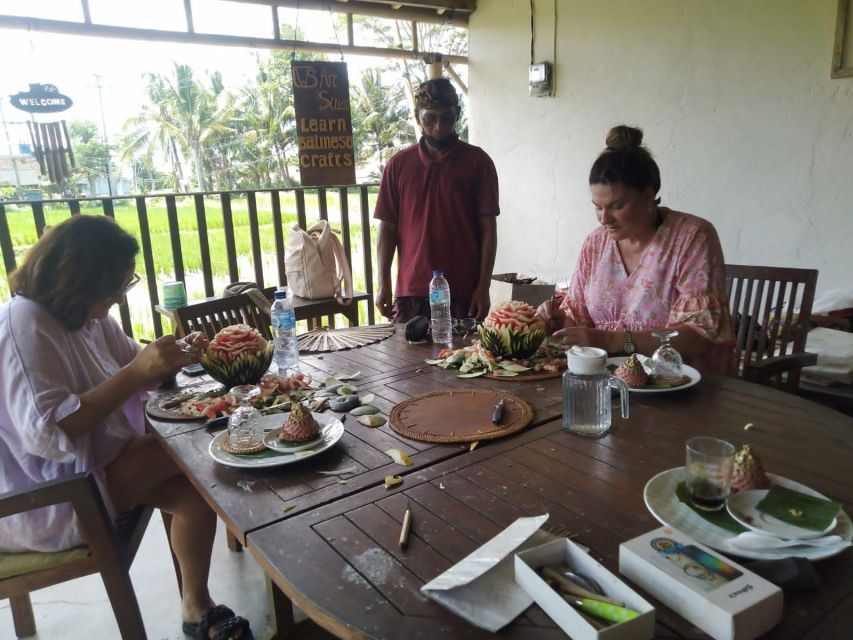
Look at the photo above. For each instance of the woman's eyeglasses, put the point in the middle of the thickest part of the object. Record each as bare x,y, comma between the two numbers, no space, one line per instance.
135,280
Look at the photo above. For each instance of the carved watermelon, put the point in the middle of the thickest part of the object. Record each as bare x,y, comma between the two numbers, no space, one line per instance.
512,330
237,355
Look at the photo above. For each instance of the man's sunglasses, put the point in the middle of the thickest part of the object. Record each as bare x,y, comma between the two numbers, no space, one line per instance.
431,119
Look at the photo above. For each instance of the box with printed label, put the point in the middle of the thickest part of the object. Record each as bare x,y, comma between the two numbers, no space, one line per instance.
724,599
567,617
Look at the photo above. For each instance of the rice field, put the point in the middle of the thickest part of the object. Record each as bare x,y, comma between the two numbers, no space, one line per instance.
23,234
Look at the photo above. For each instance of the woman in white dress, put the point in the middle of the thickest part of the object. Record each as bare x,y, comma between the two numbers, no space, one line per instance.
72,398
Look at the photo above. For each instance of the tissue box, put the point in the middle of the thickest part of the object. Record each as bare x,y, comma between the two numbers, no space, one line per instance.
720,597
567,617
504,287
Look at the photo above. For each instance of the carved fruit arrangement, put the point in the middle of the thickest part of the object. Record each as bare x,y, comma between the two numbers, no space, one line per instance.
237,355
512,330
748,471
300,425
631,371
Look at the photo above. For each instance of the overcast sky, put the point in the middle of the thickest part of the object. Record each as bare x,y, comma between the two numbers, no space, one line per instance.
71,62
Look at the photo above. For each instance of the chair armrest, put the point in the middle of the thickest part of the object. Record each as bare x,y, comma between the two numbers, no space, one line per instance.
83,493
770,367
45,494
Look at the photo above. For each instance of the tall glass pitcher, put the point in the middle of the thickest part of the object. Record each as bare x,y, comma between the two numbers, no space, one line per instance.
586,392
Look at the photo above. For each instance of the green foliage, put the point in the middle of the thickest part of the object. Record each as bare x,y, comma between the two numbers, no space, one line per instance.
183,115
217,139
91,155
379,117
23,235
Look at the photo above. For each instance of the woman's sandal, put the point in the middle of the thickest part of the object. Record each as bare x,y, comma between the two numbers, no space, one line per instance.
231,627
236,628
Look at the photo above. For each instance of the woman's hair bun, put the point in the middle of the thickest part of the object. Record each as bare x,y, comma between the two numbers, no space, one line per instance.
623,136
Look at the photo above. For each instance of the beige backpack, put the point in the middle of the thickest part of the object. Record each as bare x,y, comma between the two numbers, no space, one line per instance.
315,264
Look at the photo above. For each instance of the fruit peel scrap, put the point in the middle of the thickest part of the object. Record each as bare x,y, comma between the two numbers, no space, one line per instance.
393,481
341,472
400,457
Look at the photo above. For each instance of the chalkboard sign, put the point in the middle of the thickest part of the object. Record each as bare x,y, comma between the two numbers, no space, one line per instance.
41,98
323,123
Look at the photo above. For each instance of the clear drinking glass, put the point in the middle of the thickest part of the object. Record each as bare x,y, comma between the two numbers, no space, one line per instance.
244,427
666,361
708,472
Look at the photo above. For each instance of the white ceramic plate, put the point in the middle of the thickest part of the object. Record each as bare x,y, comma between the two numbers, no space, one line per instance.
743,508
689,371
331,429
665,506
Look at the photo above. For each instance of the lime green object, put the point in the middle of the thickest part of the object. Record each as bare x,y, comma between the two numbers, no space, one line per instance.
605,611
799,509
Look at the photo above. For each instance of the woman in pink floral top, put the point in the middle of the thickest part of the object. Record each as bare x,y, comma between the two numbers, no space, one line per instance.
646,268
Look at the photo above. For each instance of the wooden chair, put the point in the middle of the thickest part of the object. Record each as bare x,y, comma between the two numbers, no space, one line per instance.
111,550
311,310
253,308
212,315
770,336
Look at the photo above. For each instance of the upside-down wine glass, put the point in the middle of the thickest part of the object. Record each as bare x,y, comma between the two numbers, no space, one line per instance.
666,361
244,427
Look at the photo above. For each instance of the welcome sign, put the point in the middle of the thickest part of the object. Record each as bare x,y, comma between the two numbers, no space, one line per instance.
41,98
323,123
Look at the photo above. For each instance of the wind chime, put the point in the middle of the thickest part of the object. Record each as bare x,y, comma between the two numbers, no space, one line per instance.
51,143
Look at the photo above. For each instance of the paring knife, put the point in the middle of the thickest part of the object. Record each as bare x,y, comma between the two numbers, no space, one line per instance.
216,423
498,412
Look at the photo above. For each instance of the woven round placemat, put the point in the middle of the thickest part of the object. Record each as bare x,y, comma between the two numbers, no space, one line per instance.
171,411
226,446
459,415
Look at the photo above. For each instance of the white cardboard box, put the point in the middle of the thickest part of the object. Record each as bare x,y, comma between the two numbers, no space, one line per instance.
569,620
725,600
503,288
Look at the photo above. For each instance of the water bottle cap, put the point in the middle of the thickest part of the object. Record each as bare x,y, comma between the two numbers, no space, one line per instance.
437,272
281,293
586,360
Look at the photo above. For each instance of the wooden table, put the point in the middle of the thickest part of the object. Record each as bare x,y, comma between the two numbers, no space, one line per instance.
247,499
335,553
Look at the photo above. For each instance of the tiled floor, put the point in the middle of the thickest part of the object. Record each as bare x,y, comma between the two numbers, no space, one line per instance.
80,610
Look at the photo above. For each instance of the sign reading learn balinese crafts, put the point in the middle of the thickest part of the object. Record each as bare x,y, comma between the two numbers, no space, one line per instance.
323,123
41,98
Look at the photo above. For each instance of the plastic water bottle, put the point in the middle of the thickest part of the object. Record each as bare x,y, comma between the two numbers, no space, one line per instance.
439,309
286,354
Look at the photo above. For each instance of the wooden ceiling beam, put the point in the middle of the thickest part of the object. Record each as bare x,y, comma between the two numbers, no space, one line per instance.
453,12
156,35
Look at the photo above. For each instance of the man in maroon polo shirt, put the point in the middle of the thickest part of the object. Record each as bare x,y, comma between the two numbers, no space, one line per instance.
437,205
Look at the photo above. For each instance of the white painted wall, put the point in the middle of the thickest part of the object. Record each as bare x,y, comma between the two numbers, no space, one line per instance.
736,102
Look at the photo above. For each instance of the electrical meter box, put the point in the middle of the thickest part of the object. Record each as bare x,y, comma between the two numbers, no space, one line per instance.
539,78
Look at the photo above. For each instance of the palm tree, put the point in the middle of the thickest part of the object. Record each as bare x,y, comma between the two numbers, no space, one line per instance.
266,121
180,119
379,117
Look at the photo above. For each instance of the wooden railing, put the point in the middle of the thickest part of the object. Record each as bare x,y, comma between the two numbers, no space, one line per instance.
280,216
